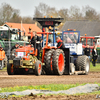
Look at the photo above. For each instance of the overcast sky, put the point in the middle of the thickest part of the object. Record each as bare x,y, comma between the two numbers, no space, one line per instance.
27,7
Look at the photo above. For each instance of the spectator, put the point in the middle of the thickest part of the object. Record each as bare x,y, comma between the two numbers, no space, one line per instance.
87,51
36,41
94,55
60,44
1,48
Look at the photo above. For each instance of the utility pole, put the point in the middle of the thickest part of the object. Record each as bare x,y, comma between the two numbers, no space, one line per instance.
9,41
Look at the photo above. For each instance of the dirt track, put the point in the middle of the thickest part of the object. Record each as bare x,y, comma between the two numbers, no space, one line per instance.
14,80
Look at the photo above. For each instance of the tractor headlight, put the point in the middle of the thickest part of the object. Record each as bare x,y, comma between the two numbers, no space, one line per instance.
28,55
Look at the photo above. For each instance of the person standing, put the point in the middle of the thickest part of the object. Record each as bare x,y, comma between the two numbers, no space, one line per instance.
94,55
87,51
60,44
36,41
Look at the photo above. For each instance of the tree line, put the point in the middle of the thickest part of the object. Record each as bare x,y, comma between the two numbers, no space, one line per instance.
74,13
10,14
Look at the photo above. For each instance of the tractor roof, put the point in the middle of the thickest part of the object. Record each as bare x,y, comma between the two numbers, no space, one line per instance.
46,22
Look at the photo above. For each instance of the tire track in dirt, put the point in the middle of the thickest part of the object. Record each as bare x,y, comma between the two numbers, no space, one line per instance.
20,80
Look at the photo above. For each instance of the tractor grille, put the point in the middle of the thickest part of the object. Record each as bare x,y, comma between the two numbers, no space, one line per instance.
17,62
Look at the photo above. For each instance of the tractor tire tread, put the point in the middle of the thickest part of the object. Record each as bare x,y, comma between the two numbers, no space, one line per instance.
55,61
47,59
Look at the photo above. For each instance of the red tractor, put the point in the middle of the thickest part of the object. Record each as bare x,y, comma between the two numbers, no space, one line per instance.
25,58
87,40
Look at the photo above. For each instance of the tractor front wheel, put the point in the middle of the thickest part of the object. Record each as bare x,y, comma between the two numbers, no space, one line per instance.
58,62
86,64
83,64
10,69
38,68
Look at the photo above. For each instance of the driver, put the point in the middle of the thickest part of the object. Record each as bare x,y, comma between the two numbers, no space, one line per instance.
60,44
15,46
36,41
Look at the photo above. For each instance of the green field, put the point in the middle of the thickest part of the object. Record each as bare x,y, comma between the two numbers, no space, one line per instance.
96,68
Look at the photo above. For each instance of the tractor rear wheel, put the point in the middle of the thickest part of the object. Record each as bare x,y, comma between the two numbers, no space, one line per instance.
58,62
48,61
84,63
38,68
10,69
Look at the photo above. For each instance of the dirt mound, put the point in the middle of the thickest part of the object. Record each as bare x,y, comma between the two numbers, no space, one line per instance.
54,97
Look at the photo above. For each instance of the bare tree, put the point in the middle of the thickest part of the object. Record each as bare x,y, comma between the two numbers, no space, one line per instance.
5,12
27,20
16,18
75,13
51,11
9,14
63,13
44,10
90,13
41,10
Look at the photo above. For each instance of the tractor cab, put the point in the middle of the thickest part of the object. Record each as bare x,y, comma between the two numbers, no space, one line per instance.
71,40
4,33
9,37
51,39
49,24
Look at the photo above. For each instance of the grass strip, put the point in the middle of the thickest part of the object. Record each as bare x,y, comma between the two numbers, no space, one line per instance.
51,87
96,68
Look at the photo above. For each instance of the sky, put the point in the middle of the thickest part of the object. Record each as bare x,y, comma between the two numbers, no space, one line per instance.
27,7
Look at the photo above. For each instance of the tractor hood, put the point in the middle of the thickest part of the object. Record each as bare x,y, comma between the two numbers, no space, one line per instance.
25,48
